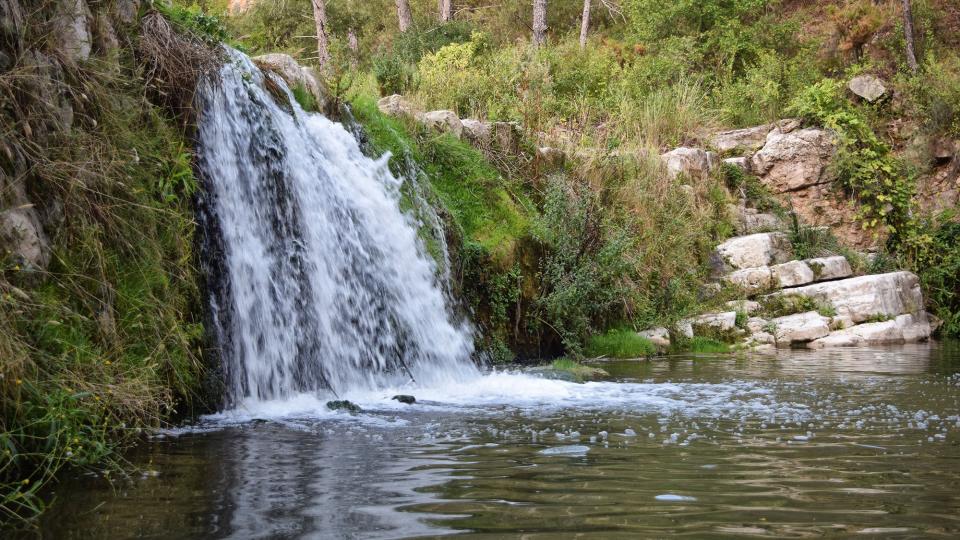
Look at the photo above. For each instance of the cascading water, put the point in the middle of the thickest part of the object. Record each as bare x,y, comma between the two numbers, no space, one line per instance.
318,282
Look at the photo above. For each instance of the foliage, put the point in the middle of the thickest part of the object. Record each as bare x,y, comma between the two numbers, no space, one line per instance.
620,344
939,273
704,345
781,305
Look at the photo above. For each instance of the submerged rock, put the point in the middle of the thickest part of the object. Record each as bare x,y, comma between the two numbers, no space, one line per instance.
403,398
344,405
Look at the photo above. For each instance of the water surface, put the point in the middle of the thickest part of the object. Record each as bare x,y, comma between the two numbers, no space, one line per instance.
829,443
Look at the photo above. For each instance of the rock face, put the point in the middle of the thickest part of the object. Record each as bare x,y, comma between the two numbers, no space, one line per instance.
868,297
868,87
293,74
741,140
690,162
22,237
751,251
72,29
445,121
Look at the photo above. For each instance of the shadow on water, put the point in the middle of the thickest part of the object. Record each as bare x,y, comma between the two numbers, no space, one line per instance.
801,444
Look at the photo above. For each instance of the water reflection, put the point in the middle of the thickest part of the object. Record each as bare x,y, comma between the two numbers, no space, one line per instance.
864,442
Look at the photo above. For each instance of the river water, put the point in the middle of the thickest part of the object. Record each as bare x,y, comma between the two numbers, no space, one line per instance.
844,442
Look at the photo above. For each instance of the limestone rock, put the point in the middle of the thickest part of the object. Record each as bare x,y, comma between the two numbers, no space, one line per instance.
791,274
906,328
722,321
741,163
659,336
800,328
690,162
395,105
756,325
747,139
685,328
750,221
293,74
829,268
761,338
445,121
751,251
72,29
865,297
744,306
476,132
868,87
751,280
22,237
795,160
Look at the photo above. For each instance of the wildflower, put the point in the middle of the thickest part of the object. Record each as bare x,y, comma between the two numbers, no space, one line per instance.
26,481
19,381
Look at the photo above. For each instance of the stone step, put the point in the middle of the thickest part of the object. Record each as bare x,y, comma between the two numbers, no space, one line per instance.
901,329
865,298
790,274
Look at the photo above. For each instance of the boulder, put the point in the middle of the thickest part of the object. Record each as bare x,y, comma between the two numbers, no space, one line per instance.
22,237
747,139
795,160
800,328
476,132
757,324
396,105
751,280
867,87
906,328
761,338
690,162
293,74
685,328
405,399
829,268
866,297
445,121
658,336
721,321
791,274
943,149
751,251
751,221
71,29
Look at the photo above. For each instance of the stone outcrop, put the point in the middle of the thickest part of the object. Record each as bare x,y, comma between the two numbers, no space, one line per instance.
800,328
444,121
901,329
476,132
293,74
865,298
689,162
748,139
790,161
751,251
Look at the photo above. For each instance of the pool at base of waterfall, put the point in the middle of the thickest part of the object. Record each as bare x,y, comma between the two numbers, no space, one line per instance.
859,441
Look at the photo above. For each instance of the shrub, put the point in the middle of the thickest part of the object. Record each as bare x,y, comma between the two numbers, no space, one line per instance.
939,273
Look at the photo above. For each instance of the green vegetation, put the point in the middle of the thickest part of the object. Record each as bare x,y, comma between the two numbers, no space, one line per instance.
705,345
578,371
781,305
620,344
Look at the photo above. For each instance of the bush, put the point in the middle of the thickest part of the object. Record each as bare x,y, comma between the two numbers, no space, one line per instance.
620,344
940,275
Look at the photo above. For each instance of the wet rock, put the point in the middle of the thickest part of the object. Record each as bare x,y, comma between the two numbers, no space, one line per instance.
795,160
476,132
902,329
403,398
751,251
22,238
72,29
747,139
867,87
294,74
344,405
444,121
866,297
689,162
800,328
396,105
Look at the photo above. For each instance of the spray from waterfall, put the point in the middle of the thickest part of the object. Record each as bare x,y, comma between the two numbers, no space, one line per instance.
317,281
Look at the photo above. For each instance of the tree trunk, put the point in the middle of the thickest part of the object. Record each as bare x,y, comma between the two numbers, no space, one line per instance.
323,41
403,14
539,22
585,24
446,10
908,34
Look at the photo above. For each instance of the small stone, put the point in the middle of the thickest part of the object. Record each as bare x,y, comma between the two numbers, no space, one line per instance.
344,405
404,398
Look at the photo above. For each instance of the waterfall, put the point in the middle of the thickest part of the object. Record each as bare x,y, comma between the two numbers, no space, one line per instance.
317,281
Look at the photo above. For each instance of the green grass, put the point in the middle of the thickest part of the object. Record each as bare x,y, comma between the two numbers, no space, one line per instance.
706,345
620,344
